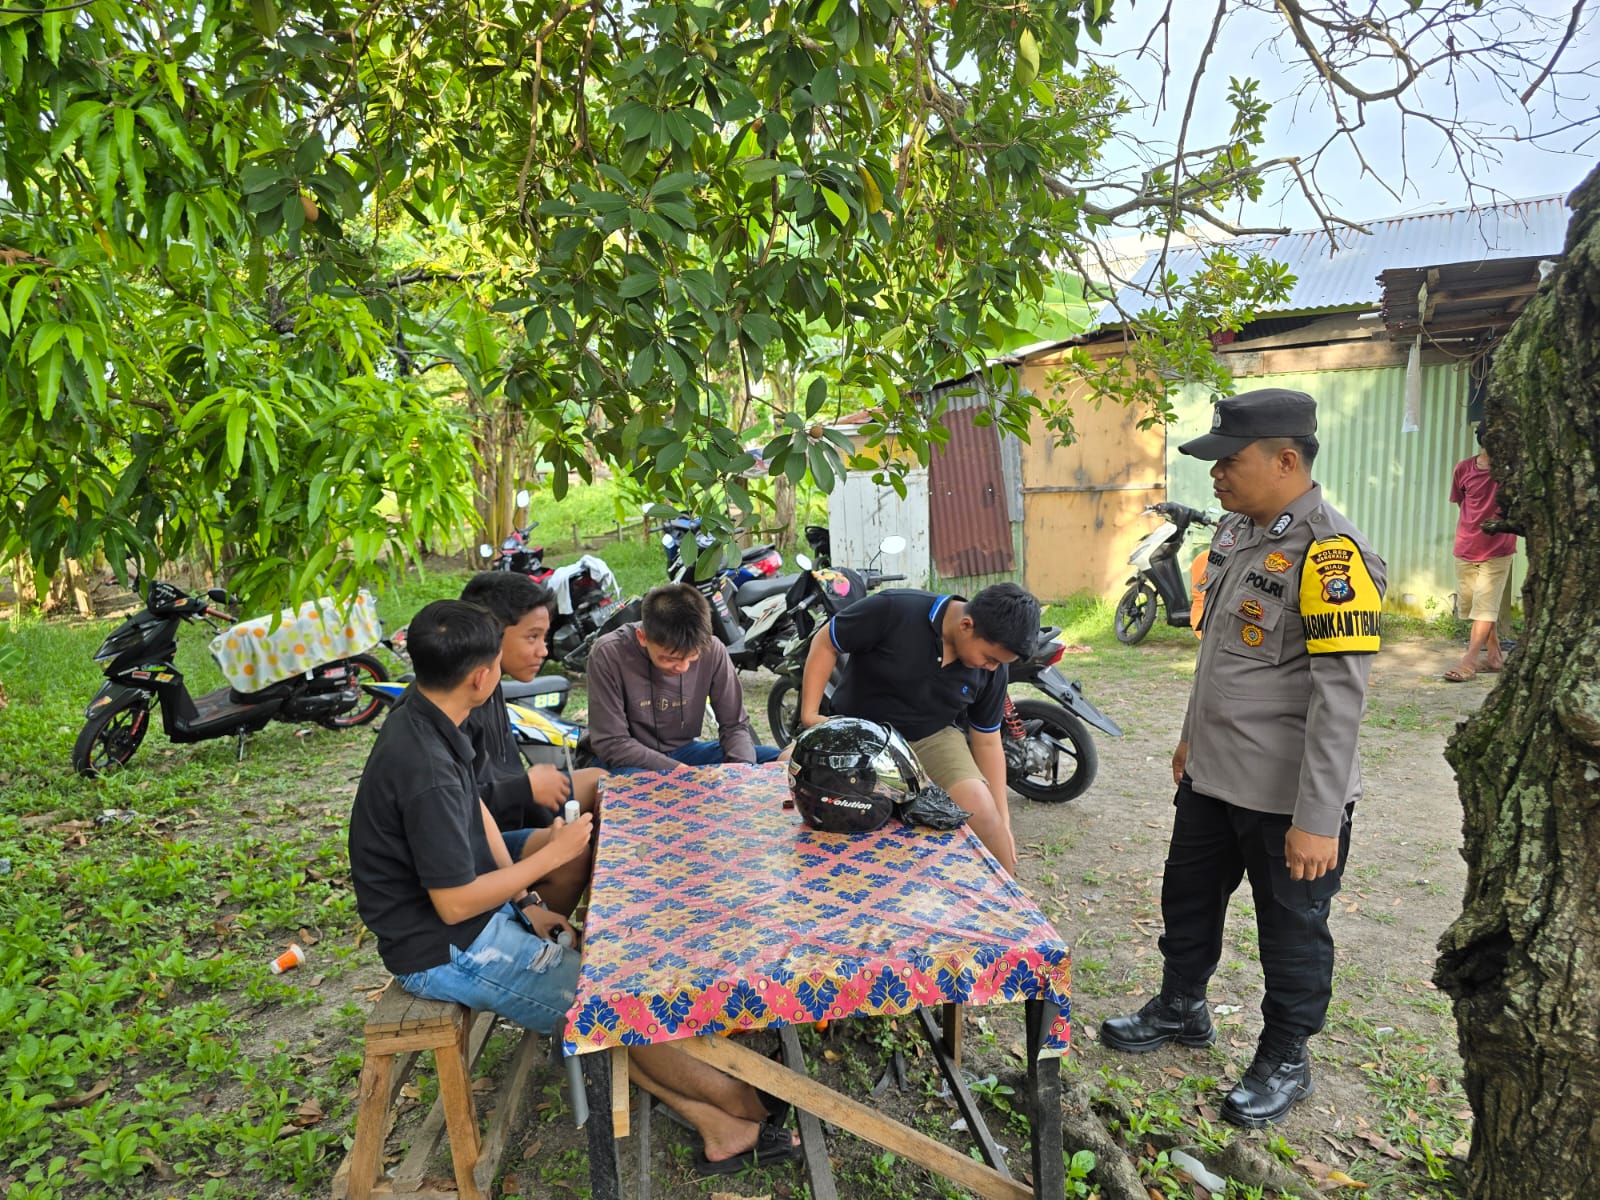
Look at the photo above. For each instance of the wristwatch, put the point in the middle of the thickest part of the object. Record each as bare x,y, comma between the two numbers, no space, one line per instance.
529,898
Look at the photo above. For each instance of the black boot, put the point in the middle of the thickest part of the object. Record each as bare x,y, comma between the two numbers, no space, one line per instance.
1170,1017
1279,1076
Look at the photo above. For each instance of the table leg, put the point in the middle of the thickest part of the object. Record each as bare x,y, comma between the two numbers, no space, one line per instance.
951,1020
819,1168
1044,1103
605,1170
951,1071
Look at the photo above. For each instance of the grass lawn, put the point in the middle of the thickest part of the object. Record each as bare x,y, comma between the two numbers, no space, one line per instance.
145,1049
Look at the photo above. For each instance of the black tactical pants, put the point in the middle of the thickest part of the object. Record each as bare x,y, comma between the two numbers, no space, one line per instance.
1214,846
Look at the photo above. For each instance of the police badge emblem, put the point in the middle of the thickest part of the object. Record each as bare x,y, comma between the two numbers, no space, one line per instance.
1252,608
1333,566
1277,563
1253,635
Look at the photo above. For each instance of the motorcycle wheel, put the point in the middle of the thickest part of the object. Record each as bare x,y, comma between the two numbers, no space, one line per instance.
783,711
1136,613
110,737
367,670
1074,752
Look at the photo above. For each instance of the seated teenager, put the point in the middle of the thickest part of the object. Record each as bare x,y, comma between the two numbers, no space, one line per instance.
451,909
648,686
523,799
928,665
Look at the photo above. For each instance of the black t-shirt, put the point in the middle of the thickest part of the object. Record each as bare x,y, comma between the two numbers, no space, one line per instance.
894,673
502,774
416,825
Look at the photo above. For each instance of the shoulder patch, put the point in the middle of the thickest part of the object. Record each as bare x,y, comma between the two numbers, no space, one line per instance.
1339,602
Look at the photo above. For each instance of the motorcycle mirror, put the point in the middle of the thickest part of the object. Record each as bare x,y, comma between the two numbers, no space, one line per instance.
666,539
522,498
485,550
220,595
803,561
892,544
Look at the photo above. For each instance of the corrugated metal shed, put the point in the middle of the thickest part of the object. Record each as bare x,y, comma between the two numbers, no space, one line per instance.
1395,486
1341,272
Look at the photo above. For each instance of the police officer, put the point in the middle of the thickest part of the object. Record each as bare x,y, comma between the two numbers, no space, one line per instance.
1266,766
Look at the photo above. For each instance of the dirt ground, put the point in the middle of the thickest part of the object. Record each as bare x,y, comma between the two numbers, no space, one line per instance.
1094,866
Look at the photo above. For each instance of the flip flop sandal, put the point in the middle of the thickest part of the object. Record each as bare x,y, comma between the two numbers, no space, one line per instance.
773,1146
1456,675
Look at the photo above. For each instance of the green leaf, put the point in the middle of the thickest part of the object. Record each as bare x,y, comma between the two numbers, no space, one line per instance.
637,285
20,292
642,367
238,422
821,468
836,205
671,457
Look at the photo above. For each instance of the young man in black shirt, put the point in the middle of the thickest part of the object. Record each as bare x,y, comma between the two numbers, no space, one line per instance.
927,665
436,886
523,799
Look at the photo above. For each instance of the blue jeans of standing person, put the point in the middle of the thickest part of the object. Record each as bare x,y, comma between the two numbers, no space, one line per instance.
696,754
509,970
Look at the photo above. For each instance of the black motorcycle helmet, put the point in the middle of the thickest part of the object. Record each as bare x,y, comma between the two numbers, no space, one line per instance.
848,775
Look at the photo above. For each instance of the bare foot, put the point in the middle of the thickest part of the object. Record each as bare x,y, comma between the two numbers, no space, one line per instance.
736,1138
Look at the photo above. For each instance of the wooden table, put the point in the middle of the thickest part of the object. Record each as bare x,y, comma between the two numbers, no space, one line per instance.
714,910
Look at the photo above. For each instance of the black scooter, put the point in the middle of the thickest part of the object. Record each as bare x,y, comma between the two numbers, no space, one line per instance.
139,672
1158,579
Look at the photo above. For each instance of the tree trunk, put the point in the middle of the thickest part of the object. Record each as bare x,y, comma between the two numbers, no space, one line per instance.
1522,962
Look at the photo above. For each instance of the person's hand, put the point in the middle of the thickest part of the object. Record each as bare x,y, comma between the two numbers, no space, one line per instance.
568,840
1180,756
547,924
808,719
550,786
1309,856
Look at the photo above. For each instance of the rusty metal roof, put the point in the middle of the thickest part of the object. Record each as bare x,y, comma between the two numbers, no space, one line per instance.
1347,277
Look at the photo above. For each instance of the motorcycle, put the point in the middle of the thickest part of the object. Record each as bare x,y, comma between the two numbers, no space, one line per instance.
1158,580
1050,755
758,562
535,707
517,554
272,673
587,596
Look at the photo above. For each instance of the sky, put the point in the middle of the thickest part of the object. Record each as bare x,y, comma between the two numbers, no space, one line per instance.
1426,176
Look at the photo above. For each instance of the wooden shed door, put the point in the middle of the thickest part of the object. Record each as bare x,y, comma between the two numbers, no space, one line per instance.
969,528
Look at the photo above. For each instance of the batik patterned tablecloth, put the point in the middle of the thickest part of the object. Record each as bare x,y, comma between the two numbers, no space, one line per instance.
714,909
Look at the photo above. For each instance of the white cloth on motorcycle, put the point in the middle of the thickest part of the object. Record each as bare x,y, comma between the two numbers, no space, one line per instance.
561,582
254,655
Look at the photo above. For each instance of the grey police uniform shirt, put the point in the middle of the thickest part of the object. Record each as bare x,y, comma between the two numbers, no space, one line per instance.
1290,625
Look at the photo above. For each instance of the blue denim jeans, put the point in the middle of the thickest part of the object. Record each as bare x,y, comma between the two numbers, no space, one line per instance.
697,754
507,970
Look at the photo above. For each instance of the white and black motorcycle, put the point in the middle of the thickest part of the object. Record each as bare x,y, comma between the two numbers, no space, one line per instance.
1158,579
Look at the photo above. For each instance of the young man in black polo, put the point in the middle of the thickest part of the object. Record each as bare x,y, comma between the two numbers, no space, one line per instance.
521,798
927,664
435,884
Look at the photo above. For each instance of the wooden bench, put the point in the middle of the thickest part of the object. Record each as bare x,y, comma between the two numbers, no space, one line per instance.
400,1028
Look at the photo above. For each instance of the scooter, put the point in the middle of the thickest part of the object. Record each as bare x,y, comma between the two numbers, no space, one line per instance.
1158,580
517,554
542,733
758,562
309,668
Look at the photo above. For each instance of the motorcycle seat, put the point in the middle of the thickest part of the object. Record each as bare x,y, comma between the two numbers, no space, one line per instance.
759,589
515,691
756,552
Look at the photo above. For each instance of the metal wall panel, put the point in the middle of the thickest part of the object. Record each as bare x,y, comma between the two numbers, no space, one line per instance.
970,525
861,514
1394,486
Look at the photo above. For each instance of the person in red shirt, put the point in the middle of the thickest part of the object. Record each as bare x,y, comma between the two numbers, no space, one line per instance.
1483,562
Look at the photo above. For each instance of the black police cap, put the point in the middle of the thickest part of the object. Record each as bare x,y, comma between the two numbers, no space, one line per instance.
1236,421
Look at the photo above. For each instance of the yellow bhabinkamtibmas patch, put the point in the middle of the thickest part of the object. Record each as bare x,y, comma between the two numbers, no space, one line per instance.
1339,603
